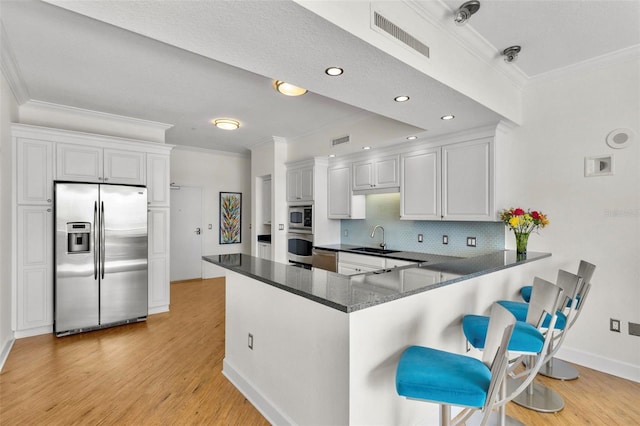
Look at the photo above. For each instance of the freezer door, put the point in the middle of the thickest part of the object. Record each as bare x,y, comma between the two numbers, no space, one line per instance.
123,256
76,259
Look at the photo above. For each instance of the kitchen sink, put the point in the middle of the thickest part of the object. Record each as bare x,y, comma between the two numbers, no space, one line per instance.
374,250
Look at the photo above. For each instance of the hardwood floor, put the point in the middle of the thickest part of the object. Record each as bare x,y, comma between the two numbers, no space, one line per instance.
168,371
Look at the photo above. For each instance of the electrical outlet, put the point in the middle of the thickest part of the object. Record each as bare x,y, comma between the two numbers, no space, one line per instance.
471,241
614,325
445,239
250,341
281,227
210,226
419,238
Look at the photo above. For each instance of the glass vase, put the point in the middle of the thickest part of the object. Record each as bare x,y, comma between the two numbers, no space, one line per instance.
521,243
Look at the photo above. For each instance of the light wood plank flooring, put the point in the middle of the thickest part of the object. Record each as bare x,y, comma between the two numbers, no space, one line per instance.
168,371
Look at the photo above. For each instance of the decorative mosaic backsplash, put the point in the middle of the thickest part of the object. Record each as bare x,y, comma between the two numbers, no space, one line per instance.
384,209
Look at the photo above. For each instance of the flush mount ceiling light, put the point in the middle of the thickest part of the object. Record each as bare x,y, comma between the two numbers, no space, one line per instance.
332,155
465,11
412,138
334,71
511,54
403,98
226,123
447,117
366,147
288,88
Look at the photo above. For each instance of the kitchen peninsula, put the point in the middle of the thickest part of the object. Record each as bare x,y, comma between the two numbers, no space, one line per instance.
316,347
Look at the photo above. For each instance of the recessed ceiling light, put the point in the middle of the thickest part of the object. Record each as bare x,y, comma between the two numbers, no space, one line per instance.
288,88
334,71
226,123
332,155
448,117
403,98
412,138
366,147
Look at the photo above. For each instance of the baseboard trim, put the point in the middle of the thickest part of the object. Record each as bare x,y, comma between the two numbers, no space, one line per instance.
47,329
262,404
6,349
599,363
158,310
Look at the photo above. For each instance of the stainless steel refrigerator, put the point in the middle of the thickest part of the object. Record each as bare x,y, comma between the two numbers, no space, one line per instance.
100,256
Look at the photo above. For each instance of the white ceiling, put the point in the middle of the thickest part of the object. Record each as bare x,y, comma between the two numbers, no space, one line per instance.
70,59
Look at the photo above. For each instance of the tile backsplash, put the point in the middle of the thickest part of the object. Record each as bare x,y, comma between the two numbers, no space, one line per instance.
384,209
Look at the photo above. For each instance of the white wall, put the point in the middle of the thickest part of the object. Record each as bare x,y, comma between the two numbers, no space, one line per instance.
592,218
214,172
8,114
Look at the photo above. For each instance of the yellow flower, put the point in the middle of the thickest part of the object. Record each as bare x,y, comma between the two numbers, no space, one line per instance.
514,221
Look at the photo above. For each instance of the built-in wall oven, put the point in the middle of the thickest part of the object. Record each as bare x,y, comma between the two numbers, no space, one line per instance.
300,248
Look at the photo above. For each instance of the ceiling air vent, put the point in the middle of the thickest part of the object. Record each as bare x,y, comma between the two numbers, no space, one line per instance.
398,33
340,140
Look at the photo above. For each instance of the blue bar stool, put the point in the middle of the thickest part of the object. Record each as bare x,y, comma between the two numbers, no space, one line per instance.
529,341
538,397
557,368
446,378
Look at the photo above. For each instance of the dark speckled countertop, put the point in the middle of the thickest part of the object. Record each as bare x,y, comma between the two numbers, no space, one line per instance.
355,292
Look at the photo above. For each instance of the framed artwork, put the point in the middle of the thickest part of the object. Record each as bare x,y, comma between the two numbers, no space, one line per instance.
230,217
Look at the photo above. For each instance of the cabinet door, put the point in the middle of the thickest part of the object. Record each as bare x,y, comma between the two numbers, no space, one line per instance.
34,171
266,201
125,167
78,163
306,184
420,189
158,177
293,185
467,181
35,270
363,175
386,172
339,192
158,260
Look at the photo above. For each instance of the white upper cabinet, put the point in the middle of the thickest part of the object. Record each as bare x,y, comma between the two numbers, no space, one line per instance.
158,186
92,164
420,185
300,184
378,173
342,204
467,181
266,202
451,182
34,171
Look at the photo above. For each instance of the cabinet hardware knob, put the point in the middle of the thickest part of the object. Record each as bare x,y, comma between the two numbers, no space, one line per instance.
48,200
49,210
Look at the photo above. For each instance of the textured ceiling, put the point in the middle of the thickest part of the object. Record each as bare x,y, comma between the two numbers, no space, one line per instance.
131,66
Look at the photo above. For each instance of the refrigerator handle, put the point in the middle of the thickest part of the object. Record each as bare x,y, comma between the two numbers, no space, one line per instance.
102,245
95,240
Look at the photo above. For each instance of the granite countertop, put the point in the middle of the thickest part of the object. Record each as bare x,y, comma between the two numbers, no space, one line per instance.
352,293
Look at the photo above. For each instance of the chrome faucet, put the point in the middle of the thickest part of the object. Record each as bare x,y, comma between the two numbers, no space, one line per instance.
382,244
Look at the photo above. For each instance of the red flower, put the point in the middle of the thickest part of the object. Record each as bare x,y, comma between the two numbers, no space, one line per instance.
535,215
518,212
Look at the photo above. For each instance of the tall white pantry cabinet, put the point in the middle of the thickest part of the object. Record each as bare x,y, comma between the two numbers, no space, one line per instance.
44,155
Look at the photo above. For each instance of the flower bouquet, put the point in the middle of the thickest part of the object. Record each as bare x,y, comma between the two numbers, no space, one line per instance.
523,223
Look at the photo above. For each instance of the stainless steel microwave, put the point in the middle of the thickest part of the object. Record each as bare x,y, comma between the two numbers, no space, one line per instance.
301,219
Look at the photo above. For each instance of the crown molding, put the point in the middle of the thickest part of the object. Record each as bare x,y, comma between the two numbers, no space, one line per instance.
599,62
468,38
97,114
10,69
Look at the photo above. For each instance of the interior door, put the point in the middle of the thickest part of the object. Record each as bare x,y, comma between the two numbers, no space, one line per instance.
186,233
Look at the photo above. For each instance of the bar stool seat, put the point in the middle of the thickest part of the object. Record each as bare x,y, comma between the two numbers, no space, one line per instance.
446,378
520,309
525,337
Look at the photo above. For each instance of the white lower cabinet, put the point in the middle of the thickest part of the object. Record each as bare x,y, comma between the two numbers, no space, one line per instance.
352,264
159,284
35,270
264,251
